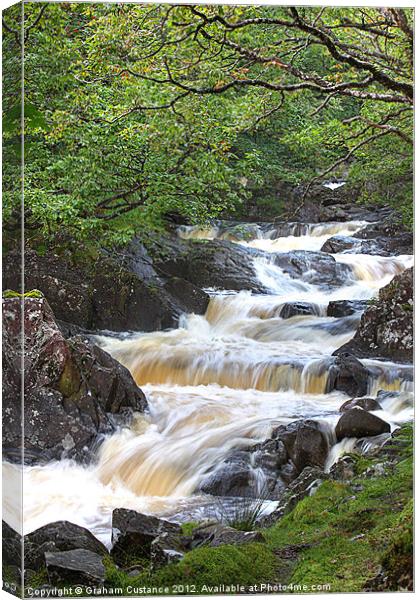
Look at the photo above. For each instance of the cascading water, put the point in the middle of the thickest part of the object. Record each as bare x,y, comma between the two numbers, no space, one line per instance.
219,382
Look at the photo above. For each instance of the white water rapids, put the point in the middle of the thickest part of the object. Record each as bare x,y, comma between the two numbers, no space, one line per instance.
218,382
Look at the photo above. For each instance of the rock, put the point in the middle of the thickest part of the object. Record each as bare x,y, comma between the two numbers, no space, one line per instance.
212,263
344,308
352,244
81,567
133,534
387,237
365,403
348,375
217,534
358,423
11,546
386,327
60,536
72,388
232,477
318,268
306,443
291,309
118,292
304,485
167,548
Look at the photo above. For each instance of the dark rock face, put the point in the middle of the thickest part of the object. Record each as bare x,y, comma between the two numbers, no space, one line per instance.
386,327
388,238
340,243
358,423
81,567
133,533
212,263
345,308
233,477
306,443
347,374
167,548
60,536
71,388
313,267
365,403
291,309
108,292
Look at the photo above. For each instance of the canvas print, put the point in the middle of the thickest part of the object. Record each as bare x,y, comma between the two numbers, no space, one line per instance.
207,299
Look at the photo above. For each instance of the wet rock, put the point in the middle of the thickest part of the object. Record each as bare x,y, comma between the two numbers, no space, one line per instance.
342,243
133,534
291,309
365,403
387,237
212,263
345,308
348,375
72,388
116,291
81,567
232,477
318,268
358,423
60,536
386,327
306,443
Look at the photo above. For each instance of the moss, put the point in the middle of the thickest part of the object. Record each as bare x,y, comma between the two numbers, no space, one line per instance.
69,382
188,528
37,579
30,294
226,565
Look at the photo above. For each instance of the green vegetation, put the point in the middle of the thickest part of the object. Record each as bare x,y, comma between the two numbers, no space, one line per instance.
342,536
136,112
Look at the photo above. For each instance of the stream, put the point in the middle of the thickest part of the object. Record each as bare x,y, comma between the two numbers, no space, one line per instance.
219,382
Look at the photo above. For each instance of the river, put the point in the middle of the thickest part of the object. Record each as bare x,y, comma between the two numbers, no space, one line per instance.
218,382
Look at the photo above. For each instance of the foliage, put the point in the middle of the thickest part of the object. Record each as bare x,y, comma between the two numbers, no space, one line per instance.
133,113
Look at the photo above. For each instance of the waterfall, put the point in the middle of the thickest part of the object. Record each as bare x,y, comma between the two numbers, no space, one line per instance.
222,381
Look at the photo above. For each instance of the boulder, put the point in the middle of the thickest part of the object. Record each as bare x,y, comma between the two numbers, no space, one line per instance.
72,388
81,567
60,536
358,423
345,308
386,327
133,534
306,443
212,263
318,268
348,375
291,309
232,477
365,403
115,291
